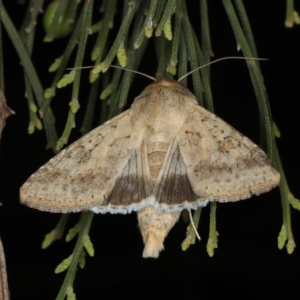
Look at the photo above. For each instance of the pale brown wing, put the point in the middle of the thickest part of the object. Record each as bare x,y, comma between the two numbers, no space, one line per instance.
84,174
222,164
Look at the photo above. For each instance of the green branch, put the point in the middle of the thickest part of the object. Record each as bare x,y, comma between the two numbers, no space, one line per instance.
31,73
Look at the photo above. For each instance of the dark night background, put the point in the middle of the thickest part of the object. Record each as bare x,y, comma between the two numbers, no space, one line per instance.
247,261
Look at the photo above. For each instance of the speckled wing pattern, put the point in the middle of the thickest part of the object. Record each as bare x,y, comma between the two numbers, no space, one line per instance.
222,164
83,174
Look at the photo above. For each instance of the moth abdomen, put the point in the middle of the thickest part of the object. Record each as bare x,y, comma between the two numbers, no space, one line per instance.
156,152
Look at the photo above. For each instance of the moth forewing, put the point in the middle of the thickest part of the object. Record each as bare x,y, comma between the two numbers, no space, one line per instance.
222,164
163,155
84,174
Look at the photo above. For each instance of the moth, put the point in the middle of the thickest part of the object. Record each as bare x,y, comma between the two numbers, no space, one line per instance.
163,155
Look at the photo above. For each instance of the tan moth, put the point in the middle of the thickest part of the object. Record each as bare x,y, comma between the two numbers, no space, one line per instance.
164,154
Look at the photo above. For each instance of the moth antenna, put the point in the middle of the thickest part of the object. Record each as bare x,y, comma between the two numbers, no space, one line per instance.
193,225
134,71
117,67
217,60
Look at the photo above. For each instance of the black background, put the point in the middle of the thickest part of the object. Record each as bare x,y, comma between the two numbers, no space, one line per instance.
247,262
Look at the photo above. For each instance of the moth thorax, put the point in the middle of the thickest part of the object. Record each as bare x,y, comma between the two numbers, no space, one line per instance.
155,225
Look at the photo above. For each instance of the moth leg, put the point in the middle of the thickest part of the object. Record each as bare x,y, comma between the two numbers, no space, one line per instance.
193,225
